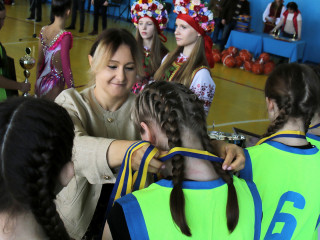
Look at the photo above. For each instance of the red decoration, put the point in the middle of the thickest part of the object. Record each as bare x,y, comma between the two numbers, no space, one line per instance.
268,67
233,50
265,57
248,65
257,68
239,61
229,61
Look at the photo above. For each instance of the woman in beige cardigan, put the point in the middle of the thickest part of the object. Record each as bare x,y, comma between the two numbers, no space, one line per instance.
102,115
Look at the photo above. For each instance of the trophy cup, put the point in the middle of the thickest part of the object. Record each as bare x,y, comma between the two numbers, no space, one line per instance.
293,37
27,62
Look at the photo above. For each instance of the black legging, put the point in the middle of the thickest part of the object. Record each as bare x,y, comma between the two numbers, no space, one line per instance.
98,5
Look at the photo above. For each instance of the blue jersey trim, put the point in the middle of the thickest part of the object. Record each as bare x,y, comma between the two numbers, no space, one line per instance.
283,147
134,217
246,173
257,208
314,137
193,184
318,221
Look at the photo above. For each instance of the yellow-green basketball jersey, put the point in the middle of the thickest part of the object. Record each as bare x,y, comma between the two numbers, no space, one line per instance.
148,215
314,140
288,182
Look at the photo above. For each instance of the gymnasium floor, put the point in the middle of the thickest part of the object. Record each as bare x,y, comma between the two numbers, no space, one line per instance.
238,101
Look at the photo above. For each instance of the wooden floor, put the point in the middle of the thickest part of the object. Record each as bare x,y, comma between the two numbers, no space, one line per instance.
238,101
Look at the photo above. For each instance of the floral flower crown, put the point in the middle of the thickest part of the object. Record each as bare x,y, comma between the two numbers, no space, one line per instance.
197,10
149,8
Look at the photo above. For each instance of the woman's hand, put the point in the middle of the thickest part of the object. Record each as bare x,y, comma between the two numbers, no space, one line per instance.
232,154
137,156
117,150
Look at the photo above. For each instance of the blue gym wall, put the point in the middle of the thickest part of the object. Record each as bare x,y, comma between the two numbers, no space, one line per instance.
310,10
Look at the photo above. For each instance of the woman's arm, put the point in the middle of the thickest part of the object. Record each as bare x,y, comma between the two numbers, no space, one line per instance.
279,24
96,157
11,84
266,12
66,44
299,20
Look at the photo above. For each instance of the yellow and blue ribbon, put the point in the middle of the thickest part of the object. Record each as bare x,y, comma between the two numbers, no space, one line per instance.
283,134
314,126
127,182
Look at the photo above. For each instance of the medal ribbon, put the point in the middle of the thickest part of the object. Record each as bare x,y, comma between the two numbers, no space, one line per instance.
127,183
281,134
314,126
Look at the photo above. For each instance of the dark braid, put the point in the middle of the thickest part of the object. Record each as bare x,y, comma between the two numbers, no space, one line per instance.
198,118
281,119
174,106
41,132
294,89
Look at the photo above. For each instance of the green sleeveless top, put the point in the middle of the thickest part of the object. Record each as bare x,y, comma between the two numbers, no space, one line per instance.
287,179
148,215
3,70
314,140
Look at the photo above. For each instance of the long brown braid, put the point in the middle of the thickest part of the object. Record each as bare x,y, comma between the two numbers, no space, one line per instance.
36,142
294,89
174,107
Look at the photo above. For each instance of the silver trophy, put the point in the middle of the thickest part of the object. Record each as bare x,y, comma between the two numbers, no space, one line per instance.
27,62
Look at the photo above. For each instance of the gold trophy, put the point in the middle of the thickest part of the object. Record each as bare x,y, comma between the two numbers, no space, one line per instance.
293,37
27,62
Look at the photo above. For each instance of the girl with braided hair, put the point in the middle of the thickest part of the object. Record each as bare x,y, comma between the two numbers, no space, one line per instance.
198,198
284,165
191,61
150,19
36,139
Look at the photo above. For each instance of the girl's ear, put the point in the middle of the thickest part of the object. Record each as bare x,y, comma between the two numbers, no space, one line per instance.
90,59
272,108
146,133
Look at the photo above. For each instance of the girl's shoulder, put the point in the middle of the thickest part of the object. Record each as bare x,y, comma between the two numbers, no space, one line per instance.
56,40
201,72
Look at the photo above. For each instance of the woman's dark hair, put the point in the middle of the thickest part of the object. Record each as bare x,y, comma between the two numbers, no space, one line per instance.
295,89
36,139
59,7
293,6
2,6
175,108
